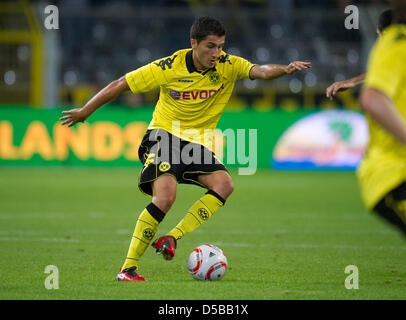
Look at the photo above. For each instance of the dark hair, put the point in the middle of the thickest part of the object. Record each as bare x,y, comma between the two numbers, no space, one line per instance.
205,26
385,19
399,10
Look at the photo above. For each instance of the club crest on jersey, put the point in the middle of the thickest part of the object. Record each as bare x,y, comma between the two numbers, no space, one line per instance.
214,77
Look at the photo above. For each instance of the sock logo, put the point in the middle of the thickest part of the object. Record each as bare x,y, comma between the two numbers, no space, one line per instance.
202,212
148,233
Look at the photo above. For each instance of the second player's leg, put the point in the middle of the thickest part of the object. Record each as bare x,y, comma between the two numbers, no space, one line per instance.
393,207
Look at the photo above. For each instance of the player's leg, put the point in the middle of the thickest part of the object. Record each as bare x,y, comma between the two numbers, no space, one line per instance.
392,208
208,173
164,193
220,186
158,180
219,182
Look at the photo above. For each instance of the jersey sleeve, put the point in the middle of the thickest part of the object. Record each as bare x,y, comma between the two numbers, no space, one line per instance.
385,69
241,67
149,77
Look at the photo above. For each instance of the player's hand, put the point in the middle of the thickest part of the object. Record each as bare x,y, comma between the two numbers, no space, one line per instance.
73,116
297,66
336,87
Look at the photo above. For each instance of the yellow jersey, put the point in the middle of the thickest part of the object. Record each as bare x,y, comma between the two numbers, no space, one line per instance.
384,165
190,102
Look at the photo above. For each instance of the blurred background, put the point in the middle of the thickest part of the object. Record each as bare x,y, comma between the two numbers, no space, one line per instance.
99,41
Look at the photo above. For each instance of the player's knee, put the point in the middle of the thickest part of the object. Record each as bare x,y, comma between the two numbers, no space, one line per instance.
164,202
228,187
224,187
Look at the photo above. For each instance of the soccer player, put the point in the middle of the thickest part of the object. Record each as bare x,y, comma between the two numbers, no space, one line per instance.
385,19
195,85
382,173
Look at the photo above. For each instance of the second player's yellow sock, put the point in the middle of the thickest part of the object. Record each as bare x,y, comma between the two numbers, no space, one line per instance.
201,211
144,231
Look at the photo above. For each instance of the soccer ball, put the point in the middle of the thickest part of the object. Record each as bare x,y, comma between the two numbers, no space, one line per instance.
207,262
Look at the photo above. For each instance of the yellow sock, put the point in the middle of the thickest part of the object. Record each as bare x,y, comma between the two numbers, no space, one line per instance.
201,211
145,229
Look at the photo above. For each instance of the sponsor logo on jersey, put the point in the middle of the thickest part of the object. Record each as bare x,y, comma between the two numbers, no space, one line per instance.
193,95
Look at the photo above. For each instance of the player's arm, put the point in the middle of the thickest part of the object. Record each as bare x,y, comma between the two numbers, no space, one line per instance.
383,111
273,71
344,85
104,96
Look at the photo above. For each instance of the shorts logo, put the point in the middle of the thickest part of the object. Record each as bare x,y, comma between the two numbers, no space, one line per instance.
202,212
214,77
148,233
164,166
150,159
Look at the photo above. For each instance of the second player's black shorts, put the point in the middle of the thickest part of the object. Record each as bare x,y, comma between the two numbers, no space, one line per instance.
162,153
392,207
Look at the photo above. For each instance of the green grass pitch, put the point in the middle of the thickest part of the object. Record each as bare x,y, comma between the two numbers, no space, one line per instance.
287,235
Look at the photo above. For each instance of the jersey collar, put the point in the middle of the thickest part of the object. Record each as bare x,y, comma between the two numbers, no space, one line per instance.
190,65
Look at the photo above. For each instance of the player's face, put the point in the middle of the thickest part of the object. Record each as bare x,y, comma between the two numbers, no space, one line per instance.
207,51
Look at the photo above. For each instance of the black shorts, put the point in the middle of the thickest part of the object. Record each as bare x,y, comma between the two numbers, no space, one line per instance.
392,207
162,153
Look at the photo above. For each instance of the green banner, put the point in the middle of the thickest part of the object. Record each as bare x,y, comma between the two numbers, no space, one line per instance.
112,135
